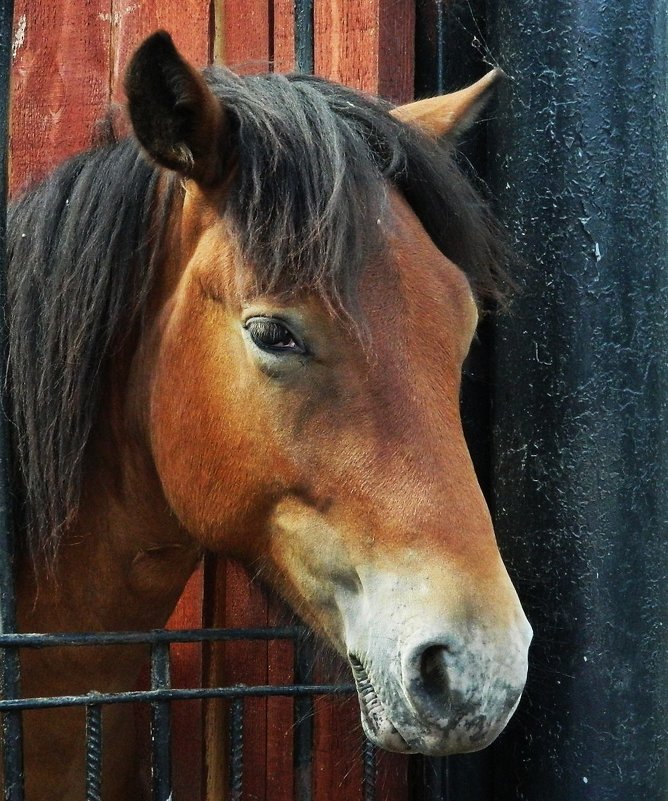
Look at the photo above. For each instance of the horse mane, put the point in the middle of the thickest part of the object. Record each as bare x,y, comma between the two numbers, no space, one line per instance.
80,248
308,202
310,196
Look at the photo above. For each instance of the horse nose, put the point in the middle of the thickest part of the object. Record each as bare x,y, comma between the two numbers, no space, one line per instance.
446,678
427,680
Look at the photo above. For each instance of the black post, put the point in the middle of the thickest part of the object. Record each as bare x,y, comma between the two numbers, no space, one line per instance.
10,677
304,51
581,422
7,602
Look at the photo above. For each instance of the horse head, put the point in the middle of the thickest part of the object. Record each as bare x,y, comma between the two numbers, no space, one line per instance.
301,377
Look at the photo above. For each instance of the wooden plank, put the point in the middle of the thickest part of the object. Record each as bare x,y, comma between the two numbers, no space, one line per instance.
188,22
396,50
234,602
338,767
280,711
215,710
244,37
130,23
284,36
392,777
187,671
60,84
367,44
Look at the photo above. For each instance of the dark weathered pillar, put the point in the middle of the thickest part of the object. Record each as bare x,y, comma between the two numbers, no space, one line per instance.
9,662
580,170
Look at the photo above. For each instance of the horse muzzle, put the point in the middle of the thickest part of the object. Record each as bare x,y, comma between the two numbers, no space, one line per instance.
435,689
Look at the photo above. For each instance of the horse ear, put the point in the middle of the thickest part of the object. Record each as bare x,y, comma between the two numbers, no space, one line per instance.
451,114
174,114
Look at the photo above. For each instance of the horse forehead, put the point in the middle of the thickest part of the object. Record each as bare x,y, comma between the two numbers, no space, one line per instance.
429,285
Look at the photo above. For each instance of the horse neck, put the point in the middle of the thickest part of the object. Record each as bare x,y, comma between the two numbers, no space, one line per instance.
123,563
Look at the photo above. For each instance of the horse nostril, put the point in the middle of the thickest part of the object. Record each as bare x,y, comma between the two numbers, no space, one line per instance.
434,674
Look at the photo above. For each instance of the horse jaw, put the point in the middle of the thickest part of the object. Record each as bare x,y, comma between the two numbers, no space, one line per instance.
437,672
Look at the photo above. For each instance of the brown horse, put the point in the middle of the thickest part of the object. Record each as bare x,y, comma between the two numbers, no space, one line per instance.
251,342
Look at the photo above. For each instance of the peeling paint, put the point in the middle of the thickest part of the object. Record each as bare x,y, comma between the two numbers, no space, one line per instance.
116,17
580,401
19,35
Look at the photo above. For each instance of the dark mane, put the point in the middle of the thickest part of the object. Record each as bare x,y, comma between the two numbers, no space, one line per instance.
80,248
315,159
309,205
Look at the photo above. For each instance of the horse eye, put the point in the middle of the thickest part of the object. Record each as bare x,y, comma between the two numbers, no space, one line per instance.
272,335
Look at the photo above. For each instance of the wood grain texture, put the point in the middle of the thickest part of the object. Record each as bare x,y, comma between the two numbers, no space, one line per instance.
396,50
367,44
244,35
284,36
338,768
245,662
188,22
187,671
392,777
60,83
280,711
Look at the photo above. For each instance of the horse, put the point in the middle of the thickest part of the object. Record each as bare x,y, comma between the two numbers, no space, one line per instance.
242,330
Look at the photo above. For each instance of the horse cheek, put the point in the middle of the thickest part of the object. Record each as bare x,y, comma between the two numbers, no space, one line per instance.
206,453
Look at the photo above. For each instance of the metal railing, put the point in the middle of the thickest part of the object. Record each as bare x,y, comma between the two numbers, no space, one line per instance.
161,694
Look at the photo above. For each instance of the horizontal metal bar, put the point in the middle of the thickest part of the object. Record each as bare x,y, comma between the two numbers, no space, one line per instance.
133,696
29,640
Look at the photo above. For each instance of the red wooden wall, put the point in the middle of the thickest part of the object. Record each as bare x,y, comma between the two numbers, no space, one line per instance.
68,61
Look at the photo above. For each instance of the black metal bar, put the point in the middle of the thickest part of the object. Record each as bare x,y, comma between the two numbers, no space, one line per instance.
304,52
303,732
10,667
28,640
435,779
582,388
369,774
440,48
151,696
236,728
93,753
161,740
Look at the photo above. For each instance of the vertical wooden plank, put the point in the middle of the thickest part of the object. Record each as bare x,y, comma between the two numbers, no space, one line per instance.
396,50
187,671
244,41
60,83
244,35
130,24
338,767
188,22
215,710
367,44
235,602
392,777
280,711
284,35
